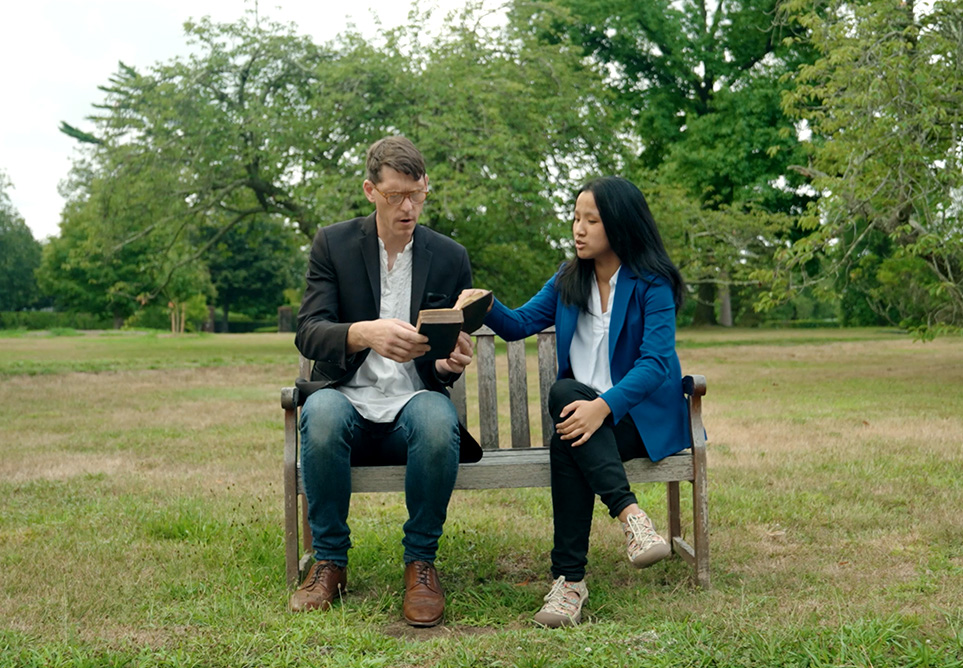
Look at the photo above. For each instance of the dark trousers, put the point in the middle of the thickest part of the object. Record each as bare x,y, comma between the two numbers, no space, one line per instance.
579,474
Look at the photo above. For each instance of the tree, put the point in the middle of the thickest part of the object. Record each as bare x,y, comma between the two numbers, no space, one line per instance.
263,124
885,105
19,256
101,263
509,127
699,90
252,265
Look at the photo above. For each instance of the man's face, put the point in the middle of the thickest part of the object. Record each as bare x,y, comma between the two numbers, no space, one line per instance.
396,222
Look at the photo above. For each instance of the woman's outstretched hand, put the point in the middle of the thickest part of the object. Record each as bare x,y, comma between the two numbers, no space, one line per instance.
468,292
584,419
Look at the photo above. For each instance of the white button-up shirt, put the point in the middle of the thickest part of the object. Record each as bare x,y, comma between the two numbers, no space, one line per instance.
381,387
589,353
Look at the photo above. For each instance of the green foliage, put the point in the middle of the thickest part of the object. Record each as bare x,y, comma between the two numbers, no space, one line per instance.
98,264
33,320
19,256
884,102
698,91
253,264
509,128
262,124
158,316
716,246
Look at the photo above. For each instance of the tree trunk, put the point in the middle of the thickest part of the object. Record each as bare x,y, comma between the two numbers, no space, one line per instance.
705,311
209,323
285,319
725,306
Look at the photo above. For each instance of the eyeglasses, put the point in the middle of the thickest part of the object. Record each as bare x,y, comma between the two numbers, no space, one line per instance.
394,199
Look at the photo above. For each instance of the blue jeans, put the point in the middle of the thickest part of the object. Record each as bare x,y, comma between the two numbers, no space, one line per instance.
334,437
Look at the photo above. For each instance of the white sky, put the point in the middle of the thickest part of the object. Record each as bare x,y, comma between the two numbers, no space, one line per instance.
56,52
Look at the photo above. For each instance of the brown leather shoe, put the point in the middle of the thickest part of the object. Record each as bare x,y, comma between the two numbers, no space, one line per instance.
424,596
323,583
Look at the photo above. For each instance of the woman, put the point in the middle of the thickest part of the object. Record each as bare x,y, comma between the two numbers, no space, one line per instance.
619,390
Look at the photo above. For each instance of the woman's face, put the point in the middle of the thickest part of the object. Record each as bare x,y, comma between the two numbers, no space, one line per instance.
591,242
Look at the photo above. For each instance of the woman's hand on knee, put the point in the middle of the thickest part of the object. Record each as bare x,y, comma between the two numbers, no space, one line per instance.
581,419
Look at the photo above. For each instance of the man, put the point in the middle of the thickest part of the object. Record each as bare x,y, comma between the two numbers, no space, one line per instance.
374,398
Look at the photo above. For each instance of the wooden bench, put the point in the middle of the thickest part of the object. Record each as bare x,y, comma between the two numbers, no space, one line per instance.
521,465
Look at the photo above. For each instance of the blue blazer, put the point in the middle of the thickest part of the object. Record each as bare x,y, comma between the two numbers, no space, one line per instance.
646,376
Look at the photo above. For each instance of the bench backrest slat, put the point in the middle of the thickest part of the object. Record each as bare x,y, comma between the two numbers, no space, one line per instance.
304,367
460,399
487,394
547,370
518,394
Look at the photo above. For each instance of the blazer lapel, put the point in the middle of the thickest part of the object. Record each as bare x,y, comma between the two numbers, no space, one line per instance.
623,291
420,264
566,319
371,253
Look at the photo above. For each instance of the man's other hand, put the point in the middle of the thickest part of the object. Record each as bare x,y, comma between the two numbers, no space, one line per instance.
460,356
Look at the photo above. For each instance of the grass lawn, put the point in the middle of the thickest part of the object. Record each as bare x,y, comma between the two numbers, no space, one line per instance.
141,518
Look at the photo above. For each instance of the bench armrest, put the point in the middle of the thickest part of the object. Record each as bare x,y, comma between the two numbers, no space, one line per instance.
694,386
289,398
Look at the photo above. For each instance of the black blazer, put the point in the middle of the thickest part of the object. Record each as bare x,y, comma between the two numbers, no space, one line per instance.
344,286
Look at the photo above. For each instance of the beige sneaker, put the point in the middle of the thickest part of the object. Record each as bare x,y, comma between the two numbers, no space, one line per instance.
563,604
642,542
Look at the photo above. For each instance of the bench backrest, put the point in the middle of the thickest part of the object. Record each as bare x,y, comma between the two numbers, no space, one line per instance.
484,363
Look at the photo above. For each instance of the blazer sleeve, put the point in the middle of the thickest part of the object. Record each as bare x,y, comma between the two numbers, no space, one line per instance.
531,318
320,336
653,365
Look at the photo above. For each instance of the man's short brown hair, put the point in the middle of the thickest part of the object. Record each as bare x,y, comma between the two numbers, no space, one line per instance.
398,153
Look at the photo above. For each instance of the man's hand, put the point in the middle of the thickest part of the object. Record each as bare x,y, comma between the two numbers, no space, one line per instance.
585,419
391,338
460,356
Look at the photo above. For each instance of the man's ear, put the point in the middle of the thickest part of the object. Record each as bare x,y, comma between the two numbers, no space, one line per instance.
368,190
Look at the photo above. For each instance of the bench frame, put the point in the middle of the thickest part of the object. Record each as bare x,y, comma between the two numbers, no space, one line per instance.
521,465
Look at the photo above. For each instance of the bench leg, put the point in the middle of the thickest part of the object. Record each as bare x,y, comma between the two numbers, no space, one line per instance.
675,519
307,540
290,475
700,516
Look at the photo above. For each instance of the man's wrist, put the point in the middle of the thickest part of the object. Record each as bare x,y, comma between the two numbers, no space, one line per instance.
357,337
443,374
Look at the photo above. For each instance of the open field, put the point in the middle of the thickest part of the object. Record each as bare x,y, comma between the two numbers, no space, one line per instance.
140,521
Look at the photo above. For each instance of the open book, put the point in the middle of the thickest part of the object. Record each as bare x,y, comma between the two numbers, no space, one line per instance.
441,325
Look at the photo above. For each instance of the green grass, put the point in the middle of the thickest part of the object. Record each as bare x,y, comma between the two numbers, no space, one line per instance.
141,518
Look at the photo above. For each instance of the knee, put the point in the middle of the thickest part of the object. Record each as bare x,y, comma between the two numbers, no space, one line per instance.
432,422
325,415
563,392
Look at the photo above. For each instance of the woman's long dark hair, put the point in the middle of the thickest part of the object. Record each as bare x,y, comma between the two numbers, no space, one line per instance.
633,235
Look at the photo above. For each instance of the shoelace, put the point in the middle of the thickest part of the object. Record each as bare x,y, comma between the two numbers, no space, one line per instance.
557,601
422,571
318,571
641,533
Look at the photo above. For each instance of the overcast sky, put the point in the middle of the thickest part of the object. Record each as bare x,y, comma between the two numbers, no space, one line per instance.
56,52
